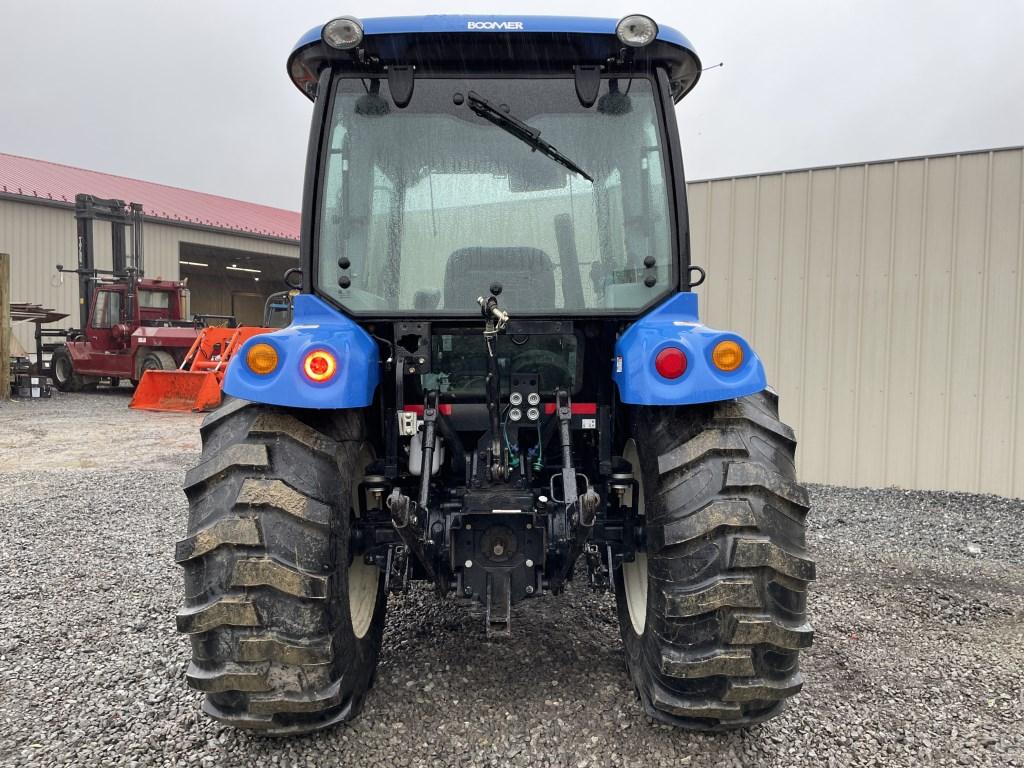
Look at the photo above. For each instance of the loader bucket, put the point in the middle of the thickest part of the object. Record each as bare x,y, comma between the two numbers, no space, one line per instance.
180,391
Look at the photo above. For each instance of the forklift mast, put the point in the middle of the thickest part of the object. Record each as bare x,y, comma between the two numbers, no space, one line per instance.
126,248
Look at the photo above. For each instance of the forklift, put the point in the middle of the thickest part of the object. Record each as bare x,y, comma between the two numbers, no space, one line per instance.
128,324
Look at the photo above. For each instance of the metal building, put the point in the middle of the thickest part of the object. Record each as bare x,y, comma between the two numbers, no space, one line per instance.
886,301
233,253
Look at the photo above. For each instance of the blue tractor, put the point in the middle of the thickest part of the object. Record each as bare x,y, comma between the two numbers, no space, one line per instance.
495,380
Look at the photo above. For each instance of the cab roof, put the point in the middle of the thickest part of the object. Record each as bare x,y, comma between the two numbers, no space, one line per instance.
539,45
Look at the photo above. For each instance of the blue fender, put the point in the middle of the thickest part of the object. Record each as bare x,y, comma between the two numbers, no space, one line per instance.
675,323
315,325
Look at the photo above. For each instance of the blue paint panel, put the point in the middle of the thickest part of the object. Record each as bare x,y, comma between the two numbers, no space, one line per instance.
397,25
315,325
675,323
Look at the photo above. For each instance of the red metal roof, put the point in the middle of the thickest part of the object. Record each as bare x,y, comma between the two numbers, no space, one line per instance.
42,180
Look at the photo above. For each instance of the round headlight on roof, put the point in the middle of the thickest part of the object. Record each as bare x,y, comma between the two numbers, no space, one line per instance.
342,33
636,31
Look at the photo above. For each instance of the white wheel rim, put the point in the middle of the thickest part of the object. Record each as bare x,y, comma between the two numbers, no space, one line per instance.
363,583
363,579
634,574
62,370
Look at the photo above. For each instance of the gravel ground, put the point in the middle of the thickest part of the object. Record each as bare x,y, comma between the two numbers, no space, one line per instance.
918,659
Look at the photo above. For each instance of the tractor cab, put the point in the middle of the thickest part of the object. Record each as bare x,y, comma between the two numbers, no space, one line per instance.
528,162
529,154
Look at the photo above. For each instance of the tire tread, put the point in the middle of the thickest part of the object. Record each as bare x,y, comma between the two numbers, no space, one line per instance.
727,564
263,575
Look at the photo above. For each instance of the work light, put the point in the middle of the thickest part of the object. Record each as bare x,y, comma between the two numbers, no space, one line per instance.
342,33
636,31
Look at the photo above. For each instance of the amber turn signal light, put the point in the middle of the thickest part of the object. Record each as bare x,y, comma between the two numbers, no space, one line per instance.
727,355
261,359
319,365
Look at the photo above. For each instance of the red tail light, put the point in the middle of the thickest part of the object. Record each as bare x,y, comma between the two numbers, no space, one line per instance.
319,365
671,362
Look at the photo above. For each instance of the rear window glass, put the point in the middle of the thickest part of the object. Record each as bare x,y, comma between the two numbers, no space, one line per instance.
154,299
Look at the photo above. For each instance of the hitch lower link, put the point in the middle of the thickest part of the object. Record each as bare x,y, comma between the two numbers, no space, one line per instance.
406,513
583,508
405,519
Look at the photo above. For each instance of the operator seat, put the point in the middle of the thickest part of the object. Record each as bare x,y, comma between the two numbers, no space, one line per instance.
526,275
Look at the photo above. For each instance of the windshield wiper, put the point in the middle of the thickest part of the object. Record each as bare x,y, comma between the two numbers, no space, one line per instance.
525,133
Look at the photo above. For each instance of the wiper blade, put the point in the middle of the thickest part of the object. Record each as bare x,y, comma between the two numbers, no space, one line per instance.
522,131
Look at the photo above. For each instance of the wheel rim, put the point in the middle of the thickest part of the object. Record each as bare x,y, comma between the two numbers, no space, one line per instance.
634,574
363,578
62,370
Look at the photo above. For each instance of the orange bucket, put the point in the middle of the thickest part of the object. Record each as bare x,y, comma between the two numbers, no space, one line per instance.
177,391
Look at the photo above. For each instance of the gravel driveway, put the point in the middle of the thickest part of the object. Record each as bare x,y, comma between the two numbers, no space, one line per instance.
918,658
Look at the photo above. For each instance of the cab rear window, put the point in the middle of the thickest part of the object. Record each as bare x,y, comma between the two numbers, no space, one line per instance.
154,299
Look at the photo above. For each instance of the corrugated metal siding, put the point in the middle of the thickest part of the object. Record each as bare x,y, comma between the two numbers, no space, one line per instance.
886,302
39,237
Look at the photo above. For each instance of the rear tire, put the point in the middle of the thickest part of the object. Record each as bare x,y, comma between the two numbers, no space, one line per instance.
712,637
277,644
63,370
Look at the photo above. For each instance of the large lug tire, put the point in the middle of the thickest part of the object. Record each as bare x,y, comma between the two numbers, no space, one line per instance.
713,610
63,370
285,624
